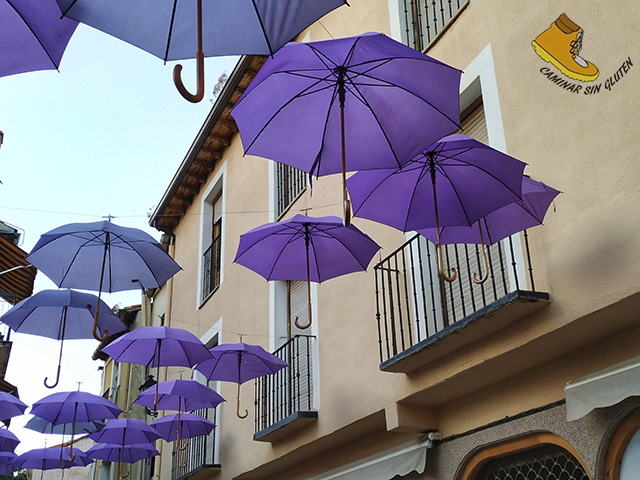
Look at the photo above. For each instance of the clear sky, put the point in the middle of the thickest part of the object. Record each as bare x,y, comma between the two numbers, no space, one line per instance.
104,136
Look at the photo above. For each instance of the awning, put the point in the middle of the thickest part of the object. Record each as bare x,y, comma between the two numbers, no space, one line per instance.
400,460
602,389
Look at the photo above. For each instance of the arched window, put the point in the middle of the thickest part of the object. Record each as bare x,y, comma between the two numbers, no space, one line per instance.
623,456
542,456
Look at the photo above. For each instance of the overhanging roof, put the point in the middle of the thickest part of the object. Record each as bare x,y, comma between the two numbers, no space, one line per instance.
16,274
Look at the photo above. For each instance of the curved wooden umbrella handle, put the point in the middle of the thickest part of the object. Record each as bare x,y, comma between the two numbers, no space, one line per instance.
64,327
443,274
246,412
46,384
476,279
177,70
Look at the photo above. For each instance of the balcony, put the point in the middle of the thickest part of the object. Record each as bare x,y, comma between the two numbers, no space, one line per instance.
423,21
284,400
418,312
197,461
290,183
211,268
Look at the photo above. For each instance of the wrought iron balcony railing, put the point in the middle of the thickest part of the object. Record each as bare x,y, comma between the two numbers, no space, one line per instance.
211,268
424,20
413,303
288,391
199,453
289,183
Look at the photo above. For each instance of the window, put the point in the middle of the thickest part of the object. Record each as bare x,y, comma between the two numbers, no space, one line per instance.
290,182
623,458
212,243
423,21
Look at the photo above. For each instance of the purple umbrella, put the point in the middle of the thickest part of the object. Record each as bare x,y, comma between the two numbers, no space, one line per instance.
111,452
125,431
48,459
181,426
455,181
10,406
6,469
61,314
497,225
172,30
238,363
6,457
44,426
158,347
181,395
102,256
305,248
32,35
72,407
368,98
8,441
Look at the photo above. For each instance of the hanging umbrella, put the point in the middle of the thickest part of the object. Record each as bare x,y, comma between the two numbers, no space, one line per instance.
72,407
61,314
347,104
6,469
502,223
158,347
181,426
102,256
6,457
455,181
238,363
32,36
110,452
48,459
181,395
41,425
10,406
8,441
314,249
173,30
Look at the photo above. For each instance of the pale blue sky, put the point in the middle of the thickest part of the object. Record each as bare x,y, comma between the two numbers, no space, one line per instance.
104,136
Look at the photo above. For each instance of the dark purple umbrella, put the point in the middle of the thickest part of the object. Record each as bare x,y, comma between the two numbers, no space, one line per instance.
61,314
181,395
8,441
102,256
455,181
32,36
49,458
6,468
6,457
172,30
72,407
497,225
158,347
238,363
305,248
179,426
10,406
347,104
41,425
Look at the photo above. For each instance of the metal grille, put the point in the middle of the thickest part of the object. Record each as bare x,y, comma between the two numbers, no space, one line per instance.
200,451
211,267
413,303
289,183
425,20
544,463
288,391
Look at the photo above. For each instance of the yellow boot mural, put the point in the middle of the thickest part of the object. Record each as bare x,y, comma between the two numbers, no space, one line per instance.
560,44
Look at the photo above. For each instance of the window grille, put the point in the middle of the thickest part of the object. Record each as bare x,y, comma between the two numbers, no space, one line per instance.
290,182
425,20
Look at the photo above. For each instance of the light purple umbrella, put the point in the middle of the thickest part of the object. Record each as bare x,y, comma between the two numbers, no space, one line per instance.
61,314
49,458
305,248
179,426
125,431
102,256
111,452
497,225
181,395
348,104
10,406
455,181
8,441
173,30
238,363
158,347
41,425
32,35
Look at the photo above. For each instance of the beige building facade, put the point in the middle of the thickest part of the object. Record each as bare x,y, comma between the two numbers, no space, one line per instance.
400,375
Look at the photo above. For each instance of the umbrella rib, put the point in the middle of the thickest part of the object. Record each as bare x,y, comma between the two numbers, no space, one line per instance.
318,159
173,16
328,233
264,32
132,246
88,241
423,169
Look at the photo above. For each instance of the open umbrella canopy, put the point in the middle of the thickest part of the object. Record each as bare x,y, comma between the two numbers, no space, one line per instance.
6,457
76,406
179,426
41,425
182,395
49,458
32,35
8,441
125,431
10,406
117,453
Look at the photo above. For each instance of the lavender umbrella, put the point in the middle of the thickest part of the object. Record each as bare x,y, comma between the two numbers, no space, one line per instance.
180,426
61,314
8,441
305,248
117,453
41,425
102,256
10,406
238,363
181,395
497,225
172,30
158,347
455,181
348,104
32,35
125,431
48,459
